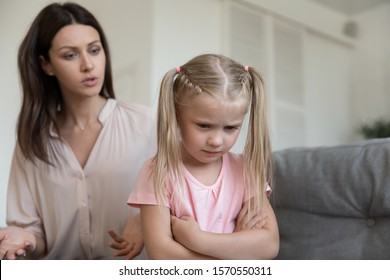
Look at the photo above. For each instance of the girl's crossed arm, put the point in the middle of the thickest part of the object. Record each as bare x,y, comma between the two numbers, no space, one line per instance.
260,243
158,238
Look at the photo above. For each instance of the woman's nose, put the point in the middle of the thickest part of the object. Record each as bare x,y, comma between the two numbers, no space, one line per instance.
87,64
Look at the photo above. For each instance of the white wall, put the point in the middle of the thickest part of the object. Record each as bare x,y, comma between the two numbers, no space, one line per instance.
328,92
307,68
307,13
371,67
13,24
183,29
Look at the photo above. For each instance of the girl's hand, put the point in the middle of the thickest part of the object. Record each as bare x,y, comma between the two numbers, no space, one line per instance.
244,222
185,230
16,242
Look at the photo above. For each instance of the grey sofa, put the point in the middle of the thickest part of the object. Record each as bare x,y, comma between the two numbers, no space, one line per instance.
334,202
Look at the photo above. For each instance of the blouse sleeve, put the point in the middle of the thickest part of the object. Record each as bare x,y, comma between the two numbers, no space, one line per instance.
21,202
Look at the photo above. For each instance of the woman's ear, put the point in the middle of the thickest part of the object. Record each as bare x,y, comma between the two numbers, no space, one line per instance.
46,66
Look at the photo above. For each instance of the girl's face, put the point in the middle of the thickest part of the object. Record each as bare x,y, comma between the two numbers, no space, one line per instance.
209,128
77,60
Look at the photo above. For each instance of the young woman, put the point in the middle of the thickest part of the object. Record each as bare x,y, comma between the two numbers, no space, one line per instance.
78,150
194,180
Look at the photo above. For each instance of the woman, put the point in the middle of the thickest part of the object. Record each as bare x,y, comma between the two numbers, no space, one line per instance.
78,150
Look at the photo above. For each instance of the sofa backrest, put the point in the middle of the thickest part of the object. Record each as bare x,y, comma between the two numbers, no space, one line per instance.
334,202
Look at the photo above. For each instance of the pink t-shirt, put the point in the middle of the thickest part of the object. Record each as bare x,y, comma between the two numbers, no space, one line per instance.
214,207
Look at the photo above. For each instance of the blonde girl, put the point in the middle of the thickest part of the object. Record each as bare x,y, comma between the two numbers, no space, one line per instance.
198,200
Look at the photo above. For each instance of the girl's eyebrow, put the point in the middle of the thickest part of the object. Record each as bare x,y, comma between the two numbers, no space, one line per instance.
233,125
236,124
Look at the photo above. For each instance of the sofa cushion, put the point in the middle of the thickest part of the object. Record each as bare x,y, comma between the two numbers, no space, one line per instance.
334,202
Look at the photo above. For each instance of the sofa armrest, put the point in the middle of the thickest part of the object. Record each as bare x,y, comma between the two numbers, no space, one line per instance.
334,202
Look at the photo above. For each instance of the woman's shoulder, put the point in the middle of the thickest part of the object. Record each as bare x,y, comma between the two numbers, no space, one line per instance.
134,109
136,115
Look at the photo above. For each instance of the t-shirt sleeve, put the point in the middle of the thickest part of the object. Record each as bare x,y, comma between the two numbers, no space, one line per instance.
268,191
143,192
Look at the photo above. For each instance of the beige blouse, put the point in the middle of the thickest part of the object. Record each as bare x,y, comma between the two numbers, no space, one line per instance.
73,208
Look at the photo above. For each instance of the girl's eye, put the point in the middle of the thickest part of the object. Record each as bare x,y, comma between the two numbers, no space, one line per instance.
203,125
231,127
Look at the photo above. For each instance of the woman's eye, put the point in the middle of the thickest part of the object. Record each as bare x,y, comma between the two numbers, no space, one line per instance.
70,56
95,51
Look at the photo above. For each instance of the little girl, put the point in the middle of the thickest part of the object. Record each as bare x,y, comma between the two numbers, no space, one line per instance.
192,191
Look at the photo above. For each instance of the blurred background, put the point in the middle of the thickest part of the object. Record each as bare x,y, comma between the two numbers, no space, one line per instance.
326,63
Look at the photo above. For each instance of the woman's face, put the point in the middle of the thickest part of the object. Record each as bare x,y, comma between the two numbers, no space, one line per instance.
77,60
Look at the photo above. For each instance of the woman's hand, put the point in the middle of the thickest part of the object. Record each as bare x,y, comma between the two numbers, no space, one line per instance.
16,242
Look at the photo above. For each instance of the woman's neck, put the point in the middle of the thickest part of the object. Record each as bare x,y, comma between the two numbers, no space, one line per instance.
81,114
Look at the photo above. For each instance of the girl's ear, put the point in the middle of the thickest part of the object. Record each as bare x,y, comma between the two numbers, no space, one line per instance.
177,116
46,66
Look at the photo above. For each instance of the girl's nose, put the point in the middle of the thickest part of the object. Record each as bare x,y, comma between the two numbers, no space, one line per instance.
215,139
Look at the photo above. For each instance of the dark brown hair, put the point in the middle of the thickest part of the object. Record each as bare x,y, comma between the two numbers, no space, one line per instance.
41,92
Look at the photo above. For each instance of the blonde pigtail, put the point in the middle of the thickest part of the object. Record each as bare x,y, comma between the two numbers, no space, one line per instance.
167,160
257,151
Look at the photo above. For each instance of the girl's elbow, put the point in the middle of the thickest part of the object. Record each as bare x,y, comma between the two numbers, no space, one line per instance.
158,253
274,249
274,245
270,250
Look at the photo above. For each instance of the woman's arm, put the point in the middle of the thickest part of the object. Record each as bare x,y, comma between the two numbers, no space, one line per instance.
24,234
248,244
158,238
